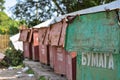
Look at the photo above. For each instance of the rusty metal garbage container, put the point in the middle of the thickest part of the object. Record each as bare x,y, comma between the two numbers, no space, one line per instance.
63,33
52,52
60,61
43,48
27,47
55,33
44,54
71,65
35,45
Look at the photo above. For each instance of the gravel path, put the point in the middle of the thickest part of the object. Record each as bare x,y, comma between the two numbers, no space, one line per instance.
14,74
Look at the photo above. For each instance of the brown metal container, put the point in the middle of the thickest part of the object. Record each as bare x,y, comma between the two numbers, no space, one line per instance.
71,66
35,53
46,39
35,45
63,33
44,54
27,48
55,32
60,61
43,48
24,35
52,52
42,33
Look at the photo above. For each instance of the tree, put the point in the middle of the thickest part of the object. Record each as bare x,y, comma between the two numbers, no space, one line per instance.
1,5
75,5
35,12
7,25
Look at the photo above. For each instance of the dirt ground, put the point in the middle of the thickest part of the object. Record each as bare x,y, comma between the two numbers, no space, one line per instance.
14,74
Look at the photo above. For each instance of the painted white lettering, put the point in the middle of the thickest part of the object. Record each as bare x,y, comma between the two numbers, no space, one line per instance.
94,60
84,60
111,64
101,60
105,60
88,57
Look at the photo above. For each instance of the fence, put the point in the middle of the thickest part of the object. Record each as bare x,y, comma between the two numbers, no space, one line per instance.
4,42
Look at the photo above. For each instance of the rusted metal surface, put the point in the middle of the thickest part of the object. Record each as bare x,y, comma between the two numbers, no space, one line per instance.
46,40
35,53
94,32
24,35
41,35
35,38
43,54
71,65
63,33
30,36
55,32
52,52
35,45
27,48
60,61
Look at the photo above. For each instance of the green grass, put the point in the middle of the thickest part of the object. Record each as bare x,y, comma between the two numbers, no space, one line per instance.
30,71
42,78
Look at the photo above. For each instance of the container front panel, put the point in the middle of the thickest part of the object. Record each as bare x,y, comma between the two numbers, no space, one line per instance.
35,38
46,40
60,61
55,33
94,32
63,34
41,35
71,66
44,55
27,50
87,71
35,53
23,35
52,52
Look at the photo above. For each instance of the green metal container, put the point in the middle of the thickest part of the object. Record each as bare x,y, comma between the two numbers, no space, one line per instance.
89,72
96,39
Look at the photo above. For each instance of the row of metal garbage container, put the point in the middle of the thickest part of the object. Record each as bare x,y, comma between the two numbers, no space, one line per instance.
46,45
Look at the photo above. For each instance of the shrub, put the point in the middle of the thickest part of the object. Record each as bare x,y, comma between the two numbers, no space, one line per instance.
15,56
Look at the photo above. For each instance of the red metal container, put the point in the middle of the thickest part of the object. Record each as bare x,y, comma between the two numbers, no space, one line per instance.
24,35
44,54
71,65
35,45
52,52
27,48
46,39
63,33
43,48
42,35
55,32
60,61
35,53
